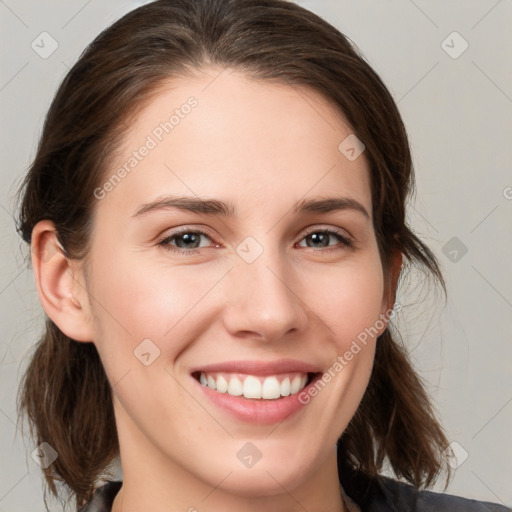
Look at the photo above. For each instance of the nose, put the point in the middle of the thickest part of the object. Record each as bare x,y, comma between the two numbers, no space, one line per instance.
264,299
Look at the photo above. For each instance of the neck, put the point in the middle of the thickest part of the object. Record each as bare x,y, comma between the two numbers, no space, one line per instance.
136,495
157,485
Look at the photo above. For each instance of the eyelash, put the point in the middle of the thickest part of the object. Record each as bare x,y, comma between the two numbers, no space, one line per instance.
346,242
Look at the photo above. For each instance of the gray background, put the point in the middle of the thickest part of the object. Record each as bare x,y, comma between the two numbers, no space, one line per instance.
458,111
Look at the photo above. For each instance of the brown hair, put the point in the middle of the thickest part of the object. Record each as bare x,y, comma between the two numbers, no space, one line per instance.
65,392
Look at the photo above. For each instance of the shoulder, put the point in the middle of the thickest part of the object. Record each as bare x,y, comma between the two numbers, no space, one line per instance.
103,498
405,497
384,494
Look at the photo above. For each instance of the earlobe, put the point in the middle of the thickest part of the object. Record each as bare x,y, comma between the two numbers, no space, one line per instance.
58,282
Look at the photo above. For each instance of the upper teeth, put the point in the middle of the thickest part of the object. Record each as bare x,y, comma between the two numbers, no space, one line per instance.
251,386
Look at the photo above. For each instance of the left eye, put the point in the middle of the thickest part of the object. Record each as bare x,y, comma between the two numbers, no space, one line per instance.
322,237
190,241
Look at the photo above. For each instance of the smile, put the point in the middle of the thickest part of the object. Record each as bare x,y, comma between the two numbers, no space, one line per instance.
256,391
268,387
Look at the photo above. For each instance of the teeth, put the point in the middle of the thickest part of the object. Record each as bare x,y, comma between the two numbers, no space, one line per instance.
222,384
252,387
295,386
267,388
271,388
235,387
285,387
211,382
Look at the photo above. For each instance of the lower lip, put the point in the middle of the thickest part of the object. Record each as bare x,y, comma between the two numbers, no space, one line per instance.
258,411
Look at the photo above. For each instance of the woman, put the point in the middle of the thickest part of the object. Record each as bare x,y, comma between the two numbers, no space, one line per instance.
216,215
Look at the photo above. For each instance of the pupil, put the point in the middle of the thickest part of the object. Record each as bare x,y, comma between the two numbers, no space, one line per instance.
188,237
320,237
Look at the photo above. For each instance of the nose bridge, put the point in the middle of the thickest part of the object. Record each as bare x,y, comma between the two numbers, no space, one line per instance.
262,300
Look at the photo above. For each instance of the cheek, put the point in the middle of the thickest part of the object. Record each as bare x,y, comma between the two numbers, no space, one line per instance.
134,301
348,297
154,310
348,300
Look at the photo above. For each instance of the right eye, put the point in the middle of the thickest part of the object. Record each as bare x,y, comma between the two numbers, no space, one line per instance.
184,241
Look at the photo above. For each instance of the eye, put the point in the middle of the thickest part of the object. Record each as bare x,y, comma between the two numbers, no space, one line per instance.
322,238
186,241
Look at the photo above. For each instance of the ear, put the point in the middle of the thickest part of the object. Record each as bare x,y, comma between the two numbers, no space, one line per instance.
60,284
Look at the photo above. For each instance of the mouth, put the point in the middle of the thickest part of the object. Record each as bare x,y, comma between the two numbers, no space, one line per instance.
255,387
256,391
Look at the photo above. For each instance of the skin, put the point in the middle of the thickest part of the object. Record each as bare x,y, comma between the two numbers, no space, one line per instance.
262,147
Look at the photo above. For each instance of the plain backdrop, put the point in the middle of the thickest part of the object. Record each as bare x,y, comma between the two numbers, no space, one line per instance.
448,65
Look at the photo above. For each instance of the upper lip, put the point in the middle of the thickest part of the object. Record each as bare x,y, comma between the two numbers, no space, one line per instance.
259,367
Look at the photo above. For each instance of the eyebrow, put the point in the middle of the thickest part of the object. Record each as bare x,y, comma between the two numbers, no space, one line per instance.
216,207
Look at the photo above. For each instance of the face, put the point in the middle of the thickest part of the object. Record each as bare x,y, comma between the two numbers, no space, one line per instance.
263,295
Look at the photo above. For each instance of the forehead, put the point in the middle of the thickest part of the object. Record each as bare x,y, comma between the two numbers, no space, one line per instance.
223,134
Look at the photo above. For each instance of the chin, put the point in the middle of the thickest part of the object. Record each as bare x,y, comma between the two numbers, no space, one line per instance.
267,477
259,483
